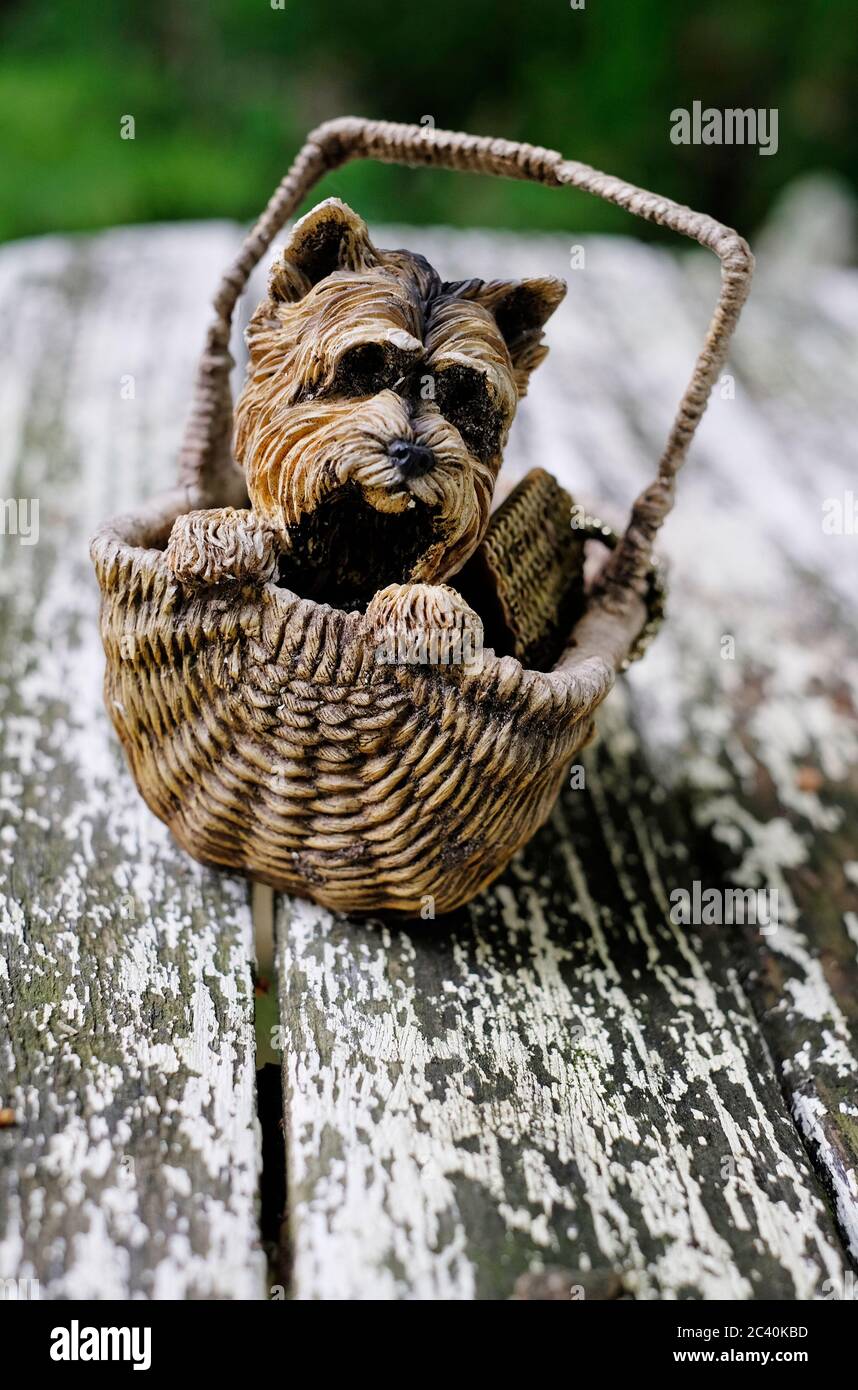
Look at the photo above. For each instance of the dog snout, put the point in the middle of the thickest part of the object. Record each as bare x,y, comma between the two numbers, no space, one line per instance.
411,460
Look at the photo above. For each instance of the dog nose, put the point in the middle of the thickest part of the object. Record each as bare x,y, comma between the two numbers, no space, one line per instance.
412,460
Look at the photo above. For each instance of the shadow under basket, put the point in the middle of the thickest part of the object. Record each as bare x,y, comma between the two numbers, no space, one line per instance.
261,725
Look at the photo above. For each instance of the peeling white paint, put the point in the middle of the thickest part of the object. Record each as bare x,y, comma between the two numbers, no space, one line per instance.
110,1112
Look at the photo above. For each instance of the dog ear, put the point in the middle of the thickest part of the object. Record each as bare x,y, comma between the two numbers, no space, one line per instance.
329,237
520,308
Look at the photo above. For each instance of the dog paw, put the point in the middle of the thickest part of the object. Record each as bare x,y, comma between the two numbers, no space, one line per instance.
424,625
207,547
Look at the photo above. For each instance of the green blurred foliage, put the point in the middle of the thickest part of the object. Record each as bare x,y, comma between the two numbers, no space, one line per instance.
222,92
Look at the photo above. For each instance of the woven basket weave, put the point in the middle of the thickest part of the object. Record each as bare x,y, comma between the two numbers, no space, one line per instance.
260,726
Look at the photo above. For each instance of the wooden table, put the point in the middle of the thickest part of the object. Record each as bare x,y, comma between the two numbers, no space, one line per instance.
561,1092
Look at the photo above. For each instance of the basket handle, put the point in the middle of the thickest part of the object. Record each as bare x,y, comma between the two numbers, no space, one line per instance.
206,464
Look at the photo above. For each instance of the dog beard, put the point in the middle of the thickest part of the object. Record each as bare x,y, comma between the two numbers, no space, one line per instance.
320,471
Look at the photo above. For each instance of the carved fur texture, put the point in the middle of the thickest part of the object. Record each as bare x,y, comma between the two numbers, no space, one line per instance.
221,543
424,625
377,405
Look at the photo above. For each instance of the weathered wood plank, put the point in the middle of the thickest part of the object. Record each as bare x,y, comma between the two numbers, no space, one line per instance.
768,739
126,1041
561,1078
420,1066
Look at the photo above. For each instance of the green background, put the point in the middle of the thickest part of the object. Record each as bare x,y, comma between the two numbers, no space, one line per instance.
222,92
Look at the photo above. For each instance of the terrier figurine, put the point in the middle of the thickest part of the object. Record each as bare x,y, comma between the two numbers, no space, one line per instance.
377,406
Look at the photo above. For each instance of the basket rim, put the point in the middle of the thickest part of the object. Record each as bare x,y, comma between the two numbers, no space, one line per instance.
130,547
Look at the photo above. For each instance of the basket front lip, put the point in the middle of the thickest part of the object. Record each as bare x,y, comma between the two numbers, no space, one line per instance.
135,541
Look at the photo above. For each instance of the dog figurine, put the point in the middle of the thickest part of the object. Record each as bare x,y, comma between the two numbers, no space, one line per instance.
377,406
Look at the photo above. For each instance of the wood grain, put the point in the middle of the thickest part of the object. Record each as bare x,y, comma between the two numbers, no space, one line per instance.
126,1051
764,743
768,738
562,1078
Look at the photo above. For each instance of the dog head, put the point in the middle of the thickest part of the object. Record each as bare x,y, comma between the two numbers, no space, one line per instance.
377,406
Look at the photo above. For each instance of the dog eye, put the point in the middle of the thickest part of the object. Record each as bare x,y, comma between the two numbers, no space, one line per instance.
363,370
463,399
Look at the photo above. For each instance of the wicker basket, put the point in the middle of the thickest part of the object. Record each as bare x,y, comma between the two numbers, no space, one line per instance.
260,726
